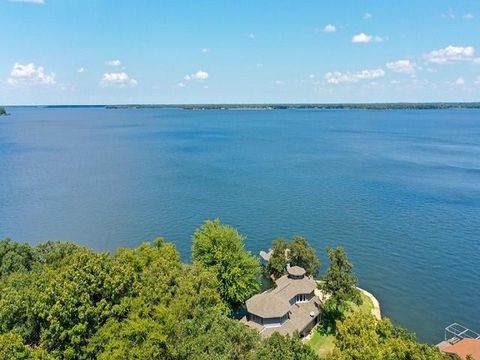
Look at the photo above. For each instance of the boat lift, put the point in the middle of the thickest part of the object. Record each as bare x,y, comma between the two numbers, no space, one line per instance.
456,332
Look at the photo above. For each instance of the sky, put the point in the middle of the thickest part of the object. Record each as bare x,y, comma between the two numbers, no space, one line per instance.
277,51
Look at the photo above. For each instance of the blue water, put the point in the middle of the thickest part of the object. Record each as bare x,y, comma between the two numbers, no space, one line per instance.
400,190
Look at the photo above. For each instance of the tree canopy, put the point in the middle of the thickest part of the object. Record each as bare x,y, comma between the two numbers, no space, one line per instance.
296,252
362,337
221,248
60,301
339,282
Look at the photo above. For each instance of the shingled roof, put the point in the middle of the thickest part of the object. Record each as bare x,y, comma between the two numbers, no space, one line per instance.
288,288
276,302
296,271
268,305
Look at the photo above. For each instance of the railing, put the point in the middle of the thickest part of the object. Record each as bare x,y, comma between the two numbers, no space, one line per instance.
456,332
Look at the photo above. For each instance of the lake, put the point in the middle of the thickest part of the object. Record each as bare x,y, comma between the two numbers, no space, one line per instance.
399,190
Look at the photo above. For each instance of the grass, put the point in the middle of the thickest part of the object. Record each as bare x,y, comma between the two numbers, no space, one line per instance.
324,344
366,307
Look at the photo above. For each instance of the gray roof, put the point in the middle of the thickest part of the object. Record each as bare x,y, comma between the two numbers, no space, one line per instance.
287,288
276,302
296,271
268,305
300,318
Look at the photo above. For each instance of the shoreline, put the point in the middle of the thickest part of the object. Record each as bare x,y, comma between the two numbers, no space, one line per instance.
376,304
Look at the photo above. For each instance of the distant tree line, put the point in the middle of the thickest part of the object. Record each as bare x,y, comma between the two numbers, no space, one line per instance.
59,300
3,111
338,106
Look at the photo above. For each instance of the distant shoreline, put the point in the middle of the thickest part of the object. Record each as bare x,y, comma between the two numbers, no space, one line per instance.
298,106
346,106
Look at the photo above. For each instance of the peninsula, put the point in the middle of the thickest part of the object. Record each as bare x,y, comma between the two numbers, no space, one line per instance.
147,303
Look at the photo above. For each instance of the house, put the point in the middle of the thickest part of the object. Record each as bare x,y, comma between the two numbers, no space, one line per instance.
463,348
460,342
288,307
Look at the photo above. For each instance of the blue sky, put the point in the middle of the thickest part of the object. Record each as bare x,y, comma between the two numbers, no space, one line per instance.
125,51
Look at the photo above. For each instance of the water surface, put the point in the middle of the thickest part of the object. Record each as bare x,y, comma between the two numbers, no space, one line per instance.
400,190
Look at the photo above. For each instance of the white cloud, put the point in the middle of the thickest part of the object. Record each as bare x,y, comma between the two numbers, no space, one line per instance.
199,75
477,81
451,54
404,66
181,85
39,2
448,15
460,81
367,16
115,62
81,70
252,36
279,82
29,73
365,38
117,78
329,28
337,77
468,16
259,65
205,50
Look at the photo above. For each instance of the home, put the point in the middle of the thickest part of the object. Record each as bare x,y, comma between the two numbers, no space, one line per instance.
288,307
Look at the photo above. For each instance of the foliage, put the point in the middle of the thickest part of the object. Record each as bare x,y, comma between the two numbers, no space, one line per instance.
339,283
361,337
2,111
212,337
53,252
60,301
297,252
22,257
277,262
221,248
15,257
285,348
303,255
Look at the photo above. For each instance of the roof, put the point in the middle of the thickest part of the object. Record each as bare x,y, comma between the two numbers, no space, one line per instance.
465,347
268,305
276,302
287,288
296,271
300,318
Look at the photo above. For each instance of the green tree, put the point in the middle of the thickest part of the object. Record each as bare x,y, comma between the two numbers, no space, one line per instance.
217,337
13,348
362,337
285,348
303,255
221,248
15,257
2,111
277,263
339,282
53,252
137,337
297,252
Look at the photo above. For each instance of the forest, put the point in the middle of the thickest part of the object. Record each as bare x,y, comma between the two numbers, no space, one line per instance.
59,300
